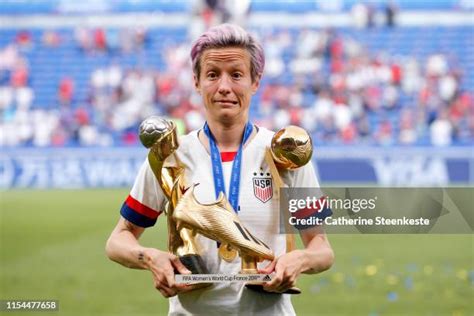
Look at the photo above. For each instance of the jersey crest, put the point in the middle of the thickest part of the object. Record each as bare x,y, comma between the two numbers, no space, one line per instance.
263,188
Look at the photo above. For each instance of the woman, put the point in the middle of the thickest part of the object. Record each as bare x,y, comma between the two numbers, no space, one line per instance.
227,64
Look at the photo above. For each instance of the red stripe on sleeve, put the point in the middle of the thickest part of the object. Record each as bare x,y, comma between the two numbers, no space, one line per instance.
227,156
142,209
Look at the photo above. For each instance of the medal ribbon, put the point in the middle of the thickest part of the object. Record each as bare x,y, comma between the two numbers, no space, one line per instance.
218,174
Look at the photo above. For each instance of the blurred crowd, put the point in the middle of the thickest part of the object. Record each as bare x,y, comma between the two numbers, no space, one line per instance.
322,80
343,93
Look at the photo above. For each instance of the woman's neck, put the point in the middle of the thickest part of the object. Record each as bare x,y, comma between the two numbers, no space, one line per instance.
228,136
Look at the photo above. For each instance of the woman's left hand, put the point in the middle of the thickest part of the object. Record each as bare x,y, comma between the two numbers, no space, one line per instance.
287,268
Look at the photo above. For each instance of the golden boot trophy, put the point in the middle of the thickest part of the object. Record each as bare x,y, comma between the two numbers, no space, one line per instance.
186,216
160,136
218,221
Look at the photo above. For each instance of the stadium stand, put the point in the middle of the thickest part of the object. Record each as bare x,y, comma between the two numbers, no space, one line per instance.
382,85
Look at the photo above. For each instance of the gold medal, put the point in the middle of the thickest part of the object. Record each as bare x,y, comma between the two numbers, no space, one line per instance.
227,253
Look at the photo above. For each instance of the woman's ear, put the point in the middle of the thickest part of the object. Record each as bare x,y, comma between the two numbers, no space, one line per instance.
197,87
256,84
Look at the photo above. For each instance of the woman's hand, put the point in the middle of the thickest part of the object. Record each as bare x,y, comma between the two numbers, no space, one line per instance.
287,268
162,266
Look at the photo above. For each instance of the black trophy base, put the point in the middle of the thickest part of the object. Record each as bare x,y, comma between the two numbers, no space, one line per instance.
194,263
258,287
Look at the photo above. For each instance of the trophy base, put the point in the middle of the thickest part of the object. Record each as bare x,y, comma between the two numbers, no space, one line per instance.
194,263
258,287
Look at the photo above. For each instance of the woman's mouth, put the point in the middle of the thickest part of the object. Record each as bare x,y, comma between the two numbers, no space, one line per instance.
226,102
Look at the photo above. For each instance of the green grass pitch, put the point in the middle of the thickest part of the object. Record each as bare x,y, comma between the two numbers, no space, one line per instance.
52,247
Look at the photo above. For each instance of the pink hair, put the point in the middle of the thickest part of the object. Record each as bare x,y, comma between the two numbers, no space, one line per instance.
229,35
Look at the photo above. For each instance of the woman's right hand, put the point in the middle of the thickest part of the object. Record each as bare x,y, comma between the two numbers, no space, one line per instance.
162,265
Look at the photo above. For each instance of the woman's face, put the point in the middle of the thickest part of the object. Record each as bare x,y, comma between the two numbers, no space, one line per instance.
225,84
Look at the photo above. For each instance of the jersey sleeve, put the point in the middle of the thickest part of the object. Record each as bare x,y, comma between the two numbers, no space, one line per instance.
146,199
305,177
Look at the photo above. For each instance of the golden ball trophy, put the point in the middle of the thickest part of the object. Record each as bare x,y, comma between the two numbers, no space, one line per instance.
291,148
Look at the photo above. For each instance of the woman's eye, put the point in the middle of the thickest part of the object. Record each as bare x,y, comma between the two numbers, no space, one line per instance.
237,75
211,75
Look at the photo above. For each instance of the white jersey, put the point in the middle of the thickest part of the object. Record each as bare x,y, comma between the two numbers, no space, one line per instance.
259,212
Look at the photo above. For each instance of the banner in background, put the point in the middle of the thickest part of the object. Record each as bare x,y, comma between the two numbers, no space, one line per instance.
70,168
117,167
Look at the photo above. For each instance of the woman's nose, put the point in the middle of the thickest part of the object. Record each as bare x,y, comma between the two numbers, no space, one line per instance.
224,85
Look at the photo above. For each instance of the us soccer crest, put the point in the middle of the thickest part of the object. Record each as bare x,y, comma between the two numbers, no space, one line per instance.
262,187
